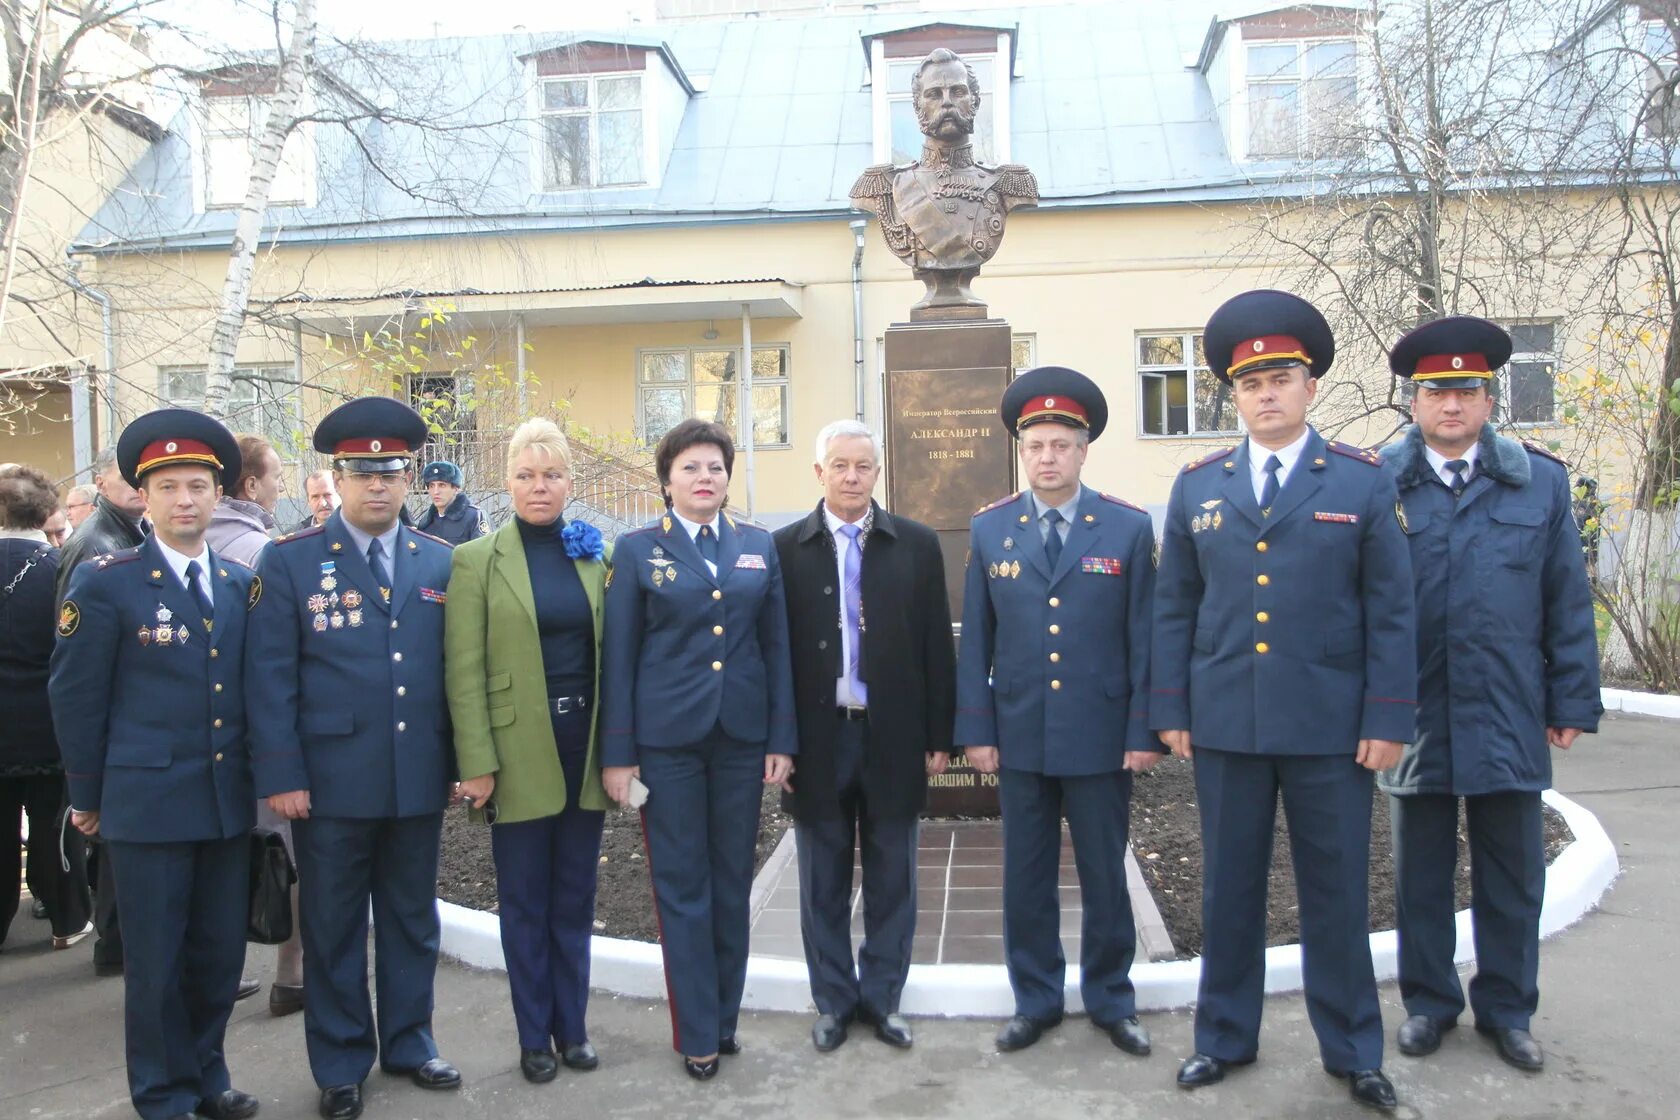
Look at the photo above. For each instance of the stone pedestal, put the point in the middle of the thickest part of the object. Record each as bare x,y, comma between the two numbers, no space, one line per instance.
948,454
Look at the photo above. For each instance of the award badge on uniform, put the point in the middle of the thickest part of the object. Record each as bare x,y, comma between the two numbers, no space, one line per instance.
351,598
1008,543
329,581
750,560
663,570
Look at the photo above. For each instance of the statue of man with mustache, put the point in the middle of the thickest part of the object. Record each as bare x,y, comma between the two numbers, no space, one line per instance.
943,214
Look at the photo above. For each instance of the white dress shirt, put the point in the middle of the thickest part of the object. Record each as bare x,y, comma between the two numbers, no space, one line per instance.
844,696
178,564
1440,461
1288,456
693,528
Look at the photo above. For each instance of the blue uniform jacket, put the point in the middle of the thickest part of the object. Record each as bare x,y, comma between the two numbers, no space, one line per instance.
459,523
1506,640
348,689
149,704
683,651
1053,666
1291,634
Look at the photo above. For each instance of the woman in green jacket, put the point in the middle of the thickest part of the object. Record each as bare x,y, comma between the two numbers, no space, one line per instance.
522,639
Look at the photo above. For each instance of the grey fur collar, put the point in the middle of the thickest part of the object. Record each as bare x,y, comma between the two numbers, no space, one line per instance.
1501,459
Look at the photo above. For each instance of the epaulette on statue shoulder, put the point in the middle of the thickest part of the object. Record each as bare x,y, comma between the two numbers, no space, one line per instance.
1123,502
1217,456
1358,454
1544,452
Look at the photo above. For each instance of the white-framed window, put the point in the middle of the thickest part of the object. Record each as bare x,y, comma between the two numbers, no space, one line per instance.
906,132
262,400
592,131
1528,381
232,125
1178,395
1301,95
674,383
1661,113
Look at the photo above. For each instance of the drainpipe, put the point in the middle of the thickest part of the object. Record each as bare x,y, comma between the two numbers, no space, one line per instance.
858,226
80,403
744,409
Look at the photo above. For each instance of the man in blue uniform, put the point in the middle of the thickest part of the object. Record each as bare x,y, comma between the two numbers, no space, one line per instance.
1508,669
451,517
148,701
1052,694
352,618
1284,650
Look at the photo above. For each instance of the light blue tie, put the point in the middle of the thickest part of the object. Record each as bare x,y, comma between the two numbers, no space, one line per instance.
852,599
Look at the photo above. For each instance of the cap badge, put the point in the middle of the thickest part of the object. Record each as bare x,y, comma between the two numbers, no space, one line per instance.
1259,346
171,447
375,445
1049,402
1458,363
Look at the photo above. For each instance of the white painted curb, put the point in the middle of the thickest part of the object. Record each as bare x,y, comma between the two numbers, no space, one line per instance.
1641,703
1575,881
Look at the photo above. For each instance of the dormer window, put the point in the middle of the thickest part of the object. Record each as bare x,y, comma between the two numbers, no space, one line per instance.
233,122
1300,97
1660,117
592,131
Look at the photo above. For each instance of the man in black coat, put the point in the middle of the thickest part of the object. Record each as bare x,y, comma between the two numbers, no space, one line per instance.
117,522
874,680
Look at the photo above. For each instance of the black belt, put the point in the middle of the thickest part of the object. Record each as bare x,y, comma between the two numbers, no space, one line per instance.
851,711
564,705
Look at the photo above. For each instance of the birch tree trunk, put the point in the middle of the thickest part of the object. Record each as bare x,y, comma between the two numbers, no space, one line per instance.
242,254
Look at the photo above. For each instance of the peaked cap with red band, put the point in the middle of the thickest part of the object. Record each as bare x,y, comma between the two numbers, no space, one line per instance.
1266,329
1458,352
373,435
173,437
1057,395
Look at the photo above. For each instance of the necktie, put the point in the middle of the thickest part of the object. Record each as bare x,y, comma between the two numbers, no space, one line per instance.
1053,538
1459,482
376,561
707,540
1269,492
852,601
205,610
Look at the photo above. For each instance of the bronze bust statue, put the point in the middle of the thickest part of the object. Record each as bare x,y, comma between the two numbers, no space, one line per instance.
943,214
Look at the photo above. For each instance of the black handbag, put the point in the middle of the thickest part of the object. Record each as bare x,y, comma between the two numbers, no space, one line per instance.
272,876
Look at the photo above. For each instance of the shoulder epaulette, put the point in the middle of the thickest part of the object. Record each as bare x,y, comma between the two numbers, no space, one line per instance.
112,559
1359,454
1014,180
638,531
1003,501
302,534
428,536
1122,502
875,181
237,563
1544,452
1222,453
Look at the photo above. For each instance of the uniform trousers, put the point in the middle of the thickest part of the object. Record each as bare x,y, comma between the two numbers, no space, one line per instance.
545,884
1507,886
1327,803
701,827
887,851
184,908
1098,809
107,927
53,844
343,862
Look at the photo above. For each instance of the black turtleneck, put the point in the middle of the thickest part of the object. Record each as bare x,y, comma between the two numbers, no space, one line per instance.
564,620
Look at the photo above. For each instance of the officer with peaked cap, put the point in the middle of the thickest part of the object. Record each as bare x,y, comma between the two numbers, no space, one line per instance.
148,701
1284,661
1052,692
1508,670
346,660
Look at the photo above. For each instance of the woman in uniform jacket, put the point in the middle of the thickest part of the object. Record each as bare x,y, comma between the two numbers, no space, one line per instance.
521,641
697,707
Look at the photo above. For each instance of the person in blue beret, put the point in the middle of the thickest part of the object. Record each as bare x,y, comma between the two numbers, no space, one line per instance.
451,517
1508,672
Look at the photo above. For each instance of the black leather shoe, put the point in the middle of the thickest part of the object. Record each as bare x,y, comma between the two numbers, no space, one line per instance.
1421,1034
894,1031
538,1066
701,1071
341,1102
580,1055
247,988
1204,1069
435,1073
729,1047
1022,1031
1128,1034
285,999
828,1032
38,910
1517,1047
1370,1088
228,1105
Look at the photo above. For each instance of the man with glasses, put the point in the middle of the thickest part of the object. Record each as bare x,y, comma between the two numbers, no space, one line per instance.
351,616
78,504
